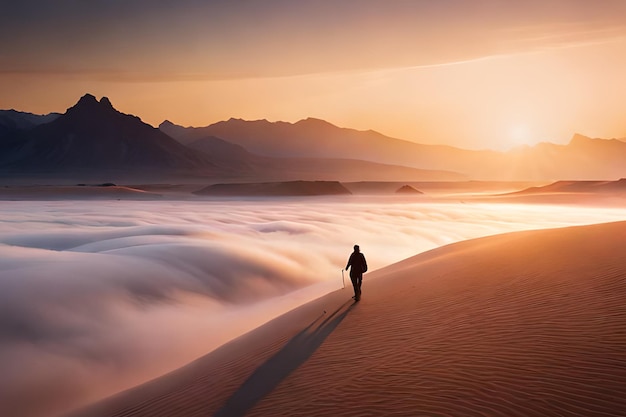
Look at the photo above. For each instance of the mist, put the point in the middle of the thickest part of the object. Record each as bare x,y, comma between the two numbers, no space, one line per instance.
96,297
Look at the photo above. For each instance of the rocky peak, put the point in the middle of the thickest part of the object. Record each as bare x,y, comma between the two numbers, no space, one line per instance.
89,105
86,100
105,102
579,139
165,124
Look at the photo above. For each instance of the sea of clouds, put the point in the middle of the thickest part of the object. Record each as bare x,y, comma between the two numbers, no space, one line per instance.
98,296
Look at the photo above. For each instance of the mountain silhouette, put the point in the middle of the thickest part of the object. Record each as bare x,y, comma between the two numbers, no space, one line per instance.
407,189
320,139
582,158
92,136
245,165
18,120
13,121
94,140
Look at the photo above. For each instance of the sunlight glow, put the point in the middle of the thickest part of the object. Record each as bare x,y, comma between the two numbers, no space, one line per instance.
520,134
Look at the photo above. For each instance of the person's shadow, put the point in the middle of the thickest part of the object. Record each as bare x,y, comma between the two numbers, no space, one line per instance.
271,373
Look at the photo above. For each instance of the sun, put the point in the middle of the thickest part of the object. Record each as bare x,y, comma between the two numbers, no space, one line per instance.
519,134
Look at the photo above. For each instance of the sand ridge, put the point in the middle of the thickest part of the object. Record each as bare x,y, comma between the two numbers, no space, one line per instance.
521,324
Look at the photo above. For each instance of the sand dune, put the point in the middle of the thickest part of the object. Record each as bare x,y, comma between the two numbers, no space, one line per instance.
599,193
522,324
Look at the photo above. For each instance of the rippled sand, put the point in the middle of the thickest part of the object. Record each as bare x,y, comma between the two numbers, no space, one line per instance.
521,324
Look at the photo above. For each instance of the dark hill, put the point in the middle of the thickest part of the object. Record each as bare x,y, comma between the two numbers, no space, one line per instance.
92,136
13,120
407,189
13,123
276,189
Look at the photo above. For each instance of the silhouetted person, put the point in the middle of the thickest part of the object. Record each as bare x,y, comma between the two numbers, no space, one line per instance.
358,266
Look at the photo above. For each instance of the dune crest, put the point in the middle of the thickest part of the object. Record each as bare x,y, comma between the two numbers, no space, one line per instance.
527,323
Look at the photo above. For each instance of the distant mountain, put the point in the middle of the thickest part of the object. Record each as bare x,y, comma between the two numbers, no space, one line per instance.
320,139
407,189
582,158
93,140
18,120
94,137
12,121
226,154
254,167
282,164
180,133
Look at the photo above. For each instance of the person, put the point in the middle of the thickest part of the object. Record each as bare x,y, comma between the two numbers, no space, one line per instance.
357,265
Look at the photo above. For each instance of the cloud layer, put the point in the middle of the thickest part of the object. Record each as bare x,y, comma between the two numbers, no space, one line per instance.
96,297
279,37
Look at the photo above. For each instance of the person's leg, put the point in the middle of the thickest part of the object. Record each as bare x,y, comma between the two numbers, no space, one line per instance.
355,285
359,282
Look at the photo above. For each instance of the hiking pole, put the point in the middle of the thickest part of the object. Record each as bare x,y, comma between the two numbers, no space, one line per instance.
343,281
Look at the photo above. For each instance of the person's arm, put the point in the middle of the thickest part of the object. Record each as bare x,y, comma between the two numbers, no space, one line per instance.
364,263
349,263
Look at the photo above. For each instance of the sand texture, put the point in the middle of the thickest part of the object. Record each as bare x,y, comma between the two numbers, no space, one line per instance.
522,324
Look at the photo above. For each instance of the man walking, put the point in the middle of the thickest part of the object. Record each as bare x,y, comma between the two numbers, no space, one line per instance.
358,266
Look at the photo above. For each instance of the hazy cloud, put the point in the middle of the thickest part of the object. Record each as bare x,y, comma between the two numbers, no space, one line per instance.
218,39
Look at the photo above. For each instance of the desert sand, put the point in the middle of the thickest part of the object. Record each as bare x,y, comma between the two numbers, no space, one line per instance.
522,324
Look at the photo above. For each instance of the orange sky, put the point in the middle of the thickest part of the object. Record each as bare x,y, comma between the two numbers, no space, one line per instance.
473,74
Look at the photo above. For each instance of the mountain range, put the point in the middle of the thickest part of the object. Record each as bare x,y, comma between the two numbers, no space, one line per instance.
582,158
92,140
92,137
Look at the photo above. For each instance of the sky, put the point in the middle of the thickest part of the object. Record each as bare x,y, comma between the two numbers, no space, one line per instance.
474,74
130,290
